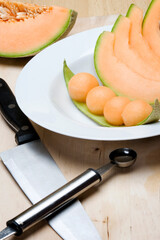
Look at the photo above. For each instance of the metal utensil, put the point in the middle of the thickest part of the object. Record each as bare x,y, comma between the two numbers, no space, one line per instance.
37,173
123,157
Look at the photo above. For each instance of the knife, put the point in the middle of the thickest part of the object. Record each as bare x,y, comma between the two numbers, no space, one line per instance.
37,173
122,158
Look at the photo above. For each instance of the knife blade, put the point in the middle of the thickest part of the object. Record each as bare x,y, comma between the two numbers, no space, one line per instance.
36,171
122,158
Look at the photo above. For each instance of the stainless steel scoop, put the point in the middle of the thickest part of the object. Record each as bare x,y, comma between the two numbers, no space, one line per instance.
123,157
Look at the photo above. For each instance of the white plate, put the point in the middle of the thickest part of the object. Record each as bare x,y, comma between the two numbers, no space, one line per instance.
42,95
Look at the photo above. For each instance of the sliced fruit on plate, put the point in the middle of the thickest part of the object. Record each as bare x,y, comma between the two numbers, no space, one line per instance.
68,74
113,110
127,54
80,84
135,112
136,39
97,98
154,116
120,78
25,28
150,26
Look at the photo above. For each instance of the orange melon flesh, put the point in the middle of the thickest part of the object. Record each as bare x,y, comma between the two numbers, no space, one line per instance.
80,84
97,97
129,55
120,78
137,41
135,112
150,26
30,35
113,110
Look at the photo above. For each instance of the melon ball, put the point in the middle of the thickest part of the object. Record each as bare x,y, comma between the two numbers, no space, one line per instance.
80,84
135,112
97,97
113,110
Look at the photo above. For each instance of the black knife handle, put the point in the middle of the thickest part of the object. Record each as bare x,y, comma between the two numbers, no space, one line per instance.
14,116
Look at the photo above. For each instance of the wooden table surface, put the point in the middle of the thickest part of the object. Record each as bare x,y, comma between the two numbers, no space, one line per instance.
127,205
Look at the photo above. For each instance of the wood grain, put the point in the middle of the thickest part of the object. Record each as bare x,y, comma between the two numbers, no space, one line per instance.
126,205
88,8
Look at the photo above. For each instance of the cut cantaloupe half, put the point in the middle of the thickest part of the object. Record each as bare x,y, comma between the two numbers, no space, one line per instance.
128,55
120,78
25,29
150,26
137,41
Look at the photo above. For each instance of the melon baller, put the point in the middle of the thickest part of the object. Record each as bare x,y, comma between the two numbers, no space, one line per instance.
122,158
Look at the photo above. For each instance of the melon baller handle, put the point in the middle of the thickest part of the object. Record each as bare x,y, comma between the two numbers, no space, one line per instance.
54,201
121,157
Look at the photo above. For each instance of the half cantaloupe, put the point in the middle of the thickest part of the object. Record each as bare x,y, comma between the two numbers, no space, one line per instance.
127,54
25,28
120,78
136,39
150,26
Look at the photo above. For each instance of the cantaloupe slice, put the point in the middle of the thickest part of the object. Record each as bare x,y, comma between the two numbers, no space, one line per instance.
150,26
25,29
120,78
136,39
68,74
125,53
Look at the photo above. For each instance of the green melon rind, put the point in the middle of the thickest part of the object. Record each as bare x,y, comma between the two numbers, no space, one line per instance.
155,114
61,34
73,17
147,12
100,38
68,74
130,9
104,82
116,23
153,117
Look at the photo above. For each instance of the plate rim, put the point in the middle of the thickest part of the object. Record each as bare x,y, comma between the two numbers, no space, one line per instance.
70,134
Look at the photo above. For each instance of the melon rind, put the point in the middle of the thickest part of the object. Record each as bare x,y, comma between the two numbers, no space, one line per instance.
116,23
147,11
150,26
153,117
71,22
128,54
130,9
120,78
104,82
137,40
155,114
80,105
61,34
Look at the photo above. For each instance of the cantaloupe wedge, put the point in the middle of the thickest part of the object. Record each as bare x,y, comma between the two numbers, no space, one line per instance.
136,39
150,26
128,55
120,78
68,74
25,29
